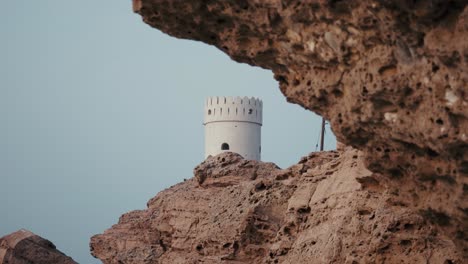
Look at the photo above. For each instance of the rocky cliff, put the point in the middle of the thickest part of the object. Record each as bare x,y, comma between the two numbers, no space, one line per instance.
391,76
24,247
328,208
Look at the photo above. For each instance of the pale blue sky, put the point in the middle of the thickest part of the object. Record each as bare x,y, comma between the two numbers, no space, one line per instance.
99,112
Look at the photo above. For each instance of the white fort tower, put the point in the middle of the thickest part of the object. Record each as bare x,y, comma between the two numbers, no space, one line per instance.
233,124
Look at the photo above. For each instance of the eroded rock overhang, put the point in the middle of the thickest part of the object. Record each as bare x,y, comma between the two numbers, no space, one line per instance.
391,76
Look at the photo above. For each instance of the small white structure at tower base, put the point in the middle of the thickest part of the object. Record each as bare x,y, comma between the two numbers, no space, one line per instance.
233,124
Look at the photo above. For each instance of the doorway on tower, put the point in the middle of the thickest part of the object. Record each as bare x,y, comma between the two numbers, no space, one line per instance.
225,146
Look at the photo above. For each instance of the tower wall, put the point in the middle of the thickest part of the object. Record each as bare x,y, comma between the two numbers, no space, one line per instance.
235,121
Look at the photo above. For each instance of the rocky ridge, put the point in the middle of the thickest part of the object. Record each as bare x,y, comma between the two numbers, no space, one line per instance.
328,208
24,247
391,77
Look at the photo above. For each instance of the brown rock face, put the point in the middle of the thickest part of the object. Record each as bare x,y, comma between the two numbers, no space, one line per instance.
326,209
24,247
391,76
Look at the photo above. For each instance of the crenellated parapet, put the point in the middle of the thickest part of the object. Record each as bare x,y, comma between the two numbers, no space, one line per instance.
229,108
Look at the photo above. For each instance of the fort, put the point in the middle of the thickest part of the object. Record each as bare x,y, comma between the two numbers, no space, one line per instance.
233,124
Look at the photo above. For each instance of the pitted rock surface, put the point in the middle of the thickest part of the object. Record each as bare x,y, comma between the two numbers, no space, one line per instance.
328,208
391,76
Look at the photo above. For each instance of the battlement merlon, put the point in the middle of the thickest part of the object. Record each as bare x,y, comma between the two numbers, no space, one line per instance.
231,109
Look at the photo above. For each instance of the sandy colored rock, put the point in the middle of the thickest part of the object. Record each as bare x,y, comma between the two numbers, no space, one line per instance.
24,247
317,211
390,76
